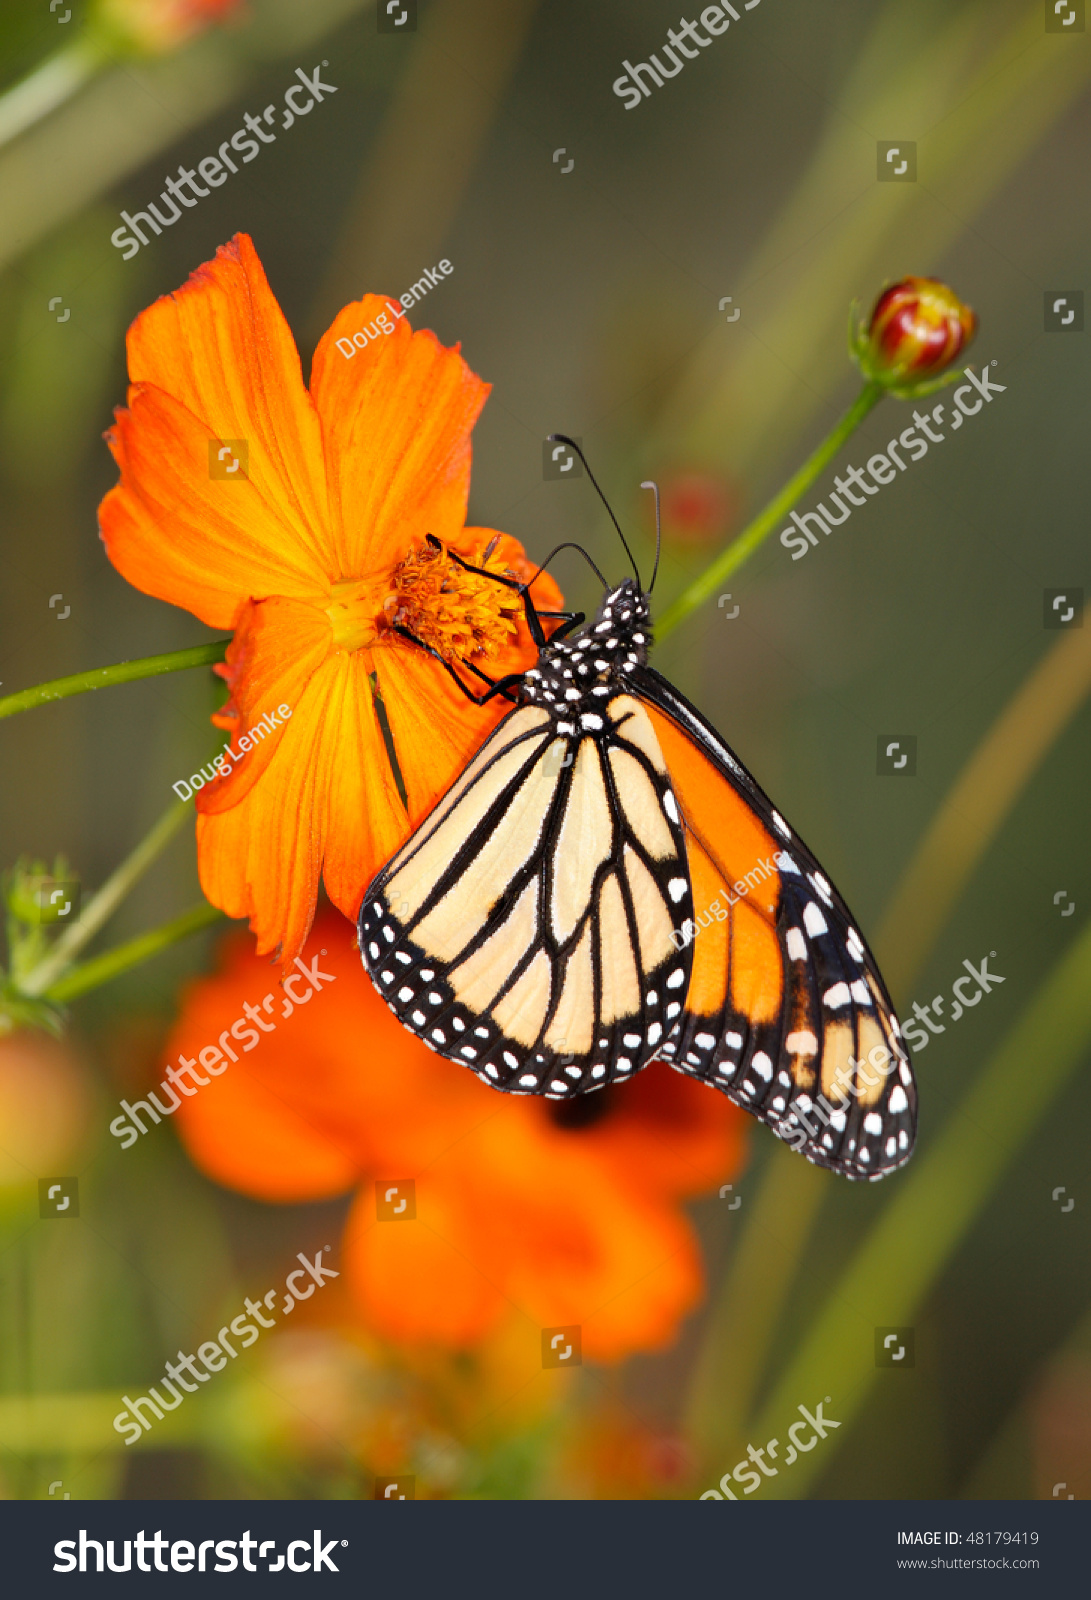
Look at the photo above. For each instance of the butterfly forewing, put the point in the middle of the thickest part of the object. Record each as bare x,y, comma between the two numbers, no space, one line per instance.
786,1011
530,927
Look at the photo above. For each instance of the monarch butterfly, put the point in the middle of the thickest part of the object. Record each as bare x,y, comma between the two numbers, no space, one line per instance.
605,883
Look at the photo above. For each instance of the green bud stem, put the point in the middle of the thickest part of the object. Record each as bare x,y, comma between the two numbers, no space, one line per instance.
740,549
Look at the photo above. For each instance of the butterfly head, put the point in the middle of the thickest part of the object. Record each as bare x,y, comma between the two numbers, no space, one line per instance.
621,631
618,638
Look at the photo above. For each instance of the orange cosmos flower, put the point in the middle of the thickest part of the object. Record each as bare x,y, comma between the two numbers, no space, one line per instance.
551,1214
300,519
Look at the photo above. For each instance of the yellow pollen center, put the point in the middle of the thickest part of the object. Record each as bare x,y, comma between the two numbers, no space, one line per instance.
456,612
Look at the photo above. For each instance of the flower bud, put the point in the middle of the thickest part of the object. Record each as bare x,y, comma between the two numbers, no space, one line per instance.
918,328
153,27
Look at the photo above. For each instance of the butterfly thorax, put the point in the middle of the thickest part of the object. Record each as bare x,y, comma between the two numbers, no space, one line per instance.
591,665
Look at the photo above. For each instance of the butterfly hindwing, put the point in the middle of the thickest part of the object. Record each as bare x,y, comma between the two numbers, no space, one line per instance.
530,926
786,1011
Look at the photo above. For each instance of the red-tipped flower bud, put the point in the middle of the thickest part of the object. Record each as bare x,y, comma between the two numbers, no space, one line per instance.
152,27
917,329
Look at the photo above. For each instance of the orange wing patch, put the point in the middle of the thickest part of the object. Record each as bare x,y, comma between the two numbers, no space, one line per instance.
736,886
736,843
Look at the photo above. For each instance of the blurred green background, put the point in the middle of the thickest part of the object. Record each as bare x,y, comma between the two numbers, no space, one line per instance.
589,299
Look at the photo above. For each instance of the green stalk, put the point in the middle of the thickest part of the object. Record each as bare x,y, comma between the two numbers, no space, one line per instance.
199,655
740,549
51,84
112,963
105,902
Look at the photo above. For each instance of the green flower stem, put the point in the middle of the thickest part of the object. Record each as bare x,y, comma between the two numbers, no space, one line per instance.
929,1215
740,549
112,963
52,83
200,655
105,902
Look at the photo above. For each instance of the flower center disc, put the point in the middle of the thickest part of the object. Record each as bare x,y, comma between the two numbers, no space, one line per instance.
456,612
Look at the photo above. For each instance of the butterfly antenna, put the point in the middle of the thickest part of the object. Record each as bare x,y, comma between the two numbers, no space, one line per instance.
569,545
562,438
649,483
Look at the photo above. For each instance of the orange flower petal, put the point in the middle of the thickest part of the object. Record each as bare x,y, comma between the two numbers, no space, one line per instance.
337,1073
290,1152
396,419
203,543
277,648
664,1137
367,820
415,1282
428,713
221,346
262,858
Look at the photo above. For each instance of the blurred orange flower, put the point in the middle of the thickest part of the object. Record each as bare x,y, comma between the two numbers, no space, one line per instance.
697,508
300,519
559,1214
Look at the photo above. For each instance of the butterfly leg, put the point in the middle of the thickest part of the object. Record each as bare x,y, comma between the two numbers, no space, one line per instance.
573,619
496,685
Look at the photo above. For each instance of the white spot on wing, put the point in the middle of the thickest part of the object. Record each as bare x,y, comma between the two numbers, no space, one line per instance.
813,920
802,1043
